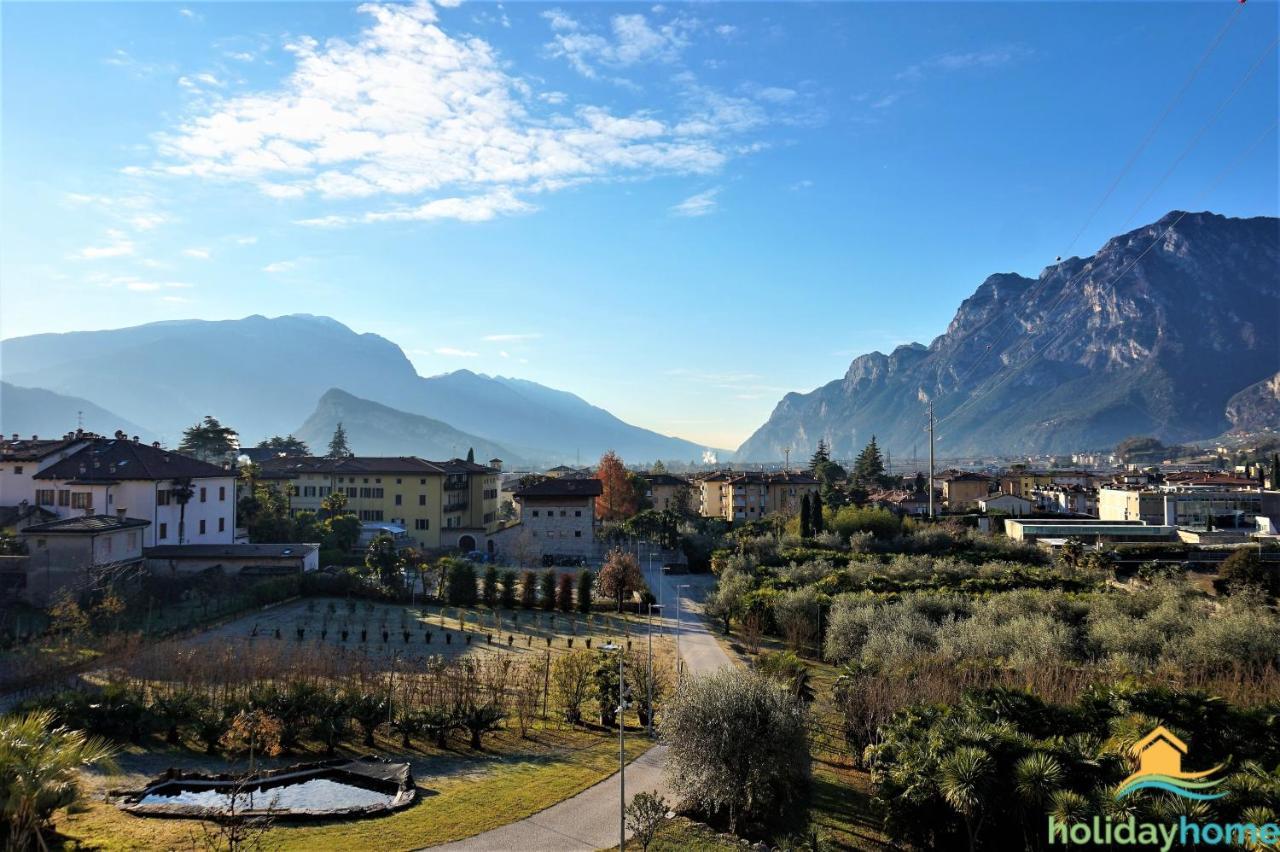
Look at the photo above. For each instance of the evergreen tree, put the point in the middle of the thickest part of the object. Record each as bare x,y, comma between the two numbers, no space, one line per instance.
209,440
821,456
338,446
547,598
507,597
1275,470
471,454
489,589
805,528
289,446
815,513
585,581
919,486
868,469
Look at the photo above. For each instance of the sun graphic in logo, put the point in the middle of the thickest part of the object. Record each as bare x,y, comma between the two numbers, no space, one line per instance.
1159,755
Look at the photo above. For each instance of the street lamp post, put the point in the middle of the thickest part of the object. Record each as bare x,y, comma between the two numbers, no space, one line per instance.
649,682
679,660
622,753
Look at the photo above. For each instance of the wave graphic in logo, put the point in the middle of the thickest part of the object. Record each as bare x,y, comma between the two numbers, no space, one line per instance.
1159,755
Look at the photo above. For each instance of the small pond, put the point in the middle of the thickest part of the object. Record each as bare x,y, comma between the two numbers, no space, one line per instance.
325,790
317,795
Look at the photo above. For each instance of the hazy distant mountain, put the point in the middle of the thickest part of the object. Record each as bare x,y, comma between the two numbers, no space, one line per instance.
263,376
34,411
377,430
1126,342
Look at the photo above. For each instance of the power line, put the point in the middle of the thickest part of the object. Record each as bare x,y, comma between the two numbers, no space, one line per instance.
1007,326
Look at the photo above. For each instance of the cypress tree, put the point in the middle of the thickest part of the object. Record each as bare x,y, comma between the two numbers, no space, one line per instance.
584,590
548,596
805,527
816,514
471,454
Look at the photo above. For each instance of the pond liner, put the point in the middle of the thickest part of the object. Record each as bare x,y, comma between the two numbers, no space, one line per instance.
375,774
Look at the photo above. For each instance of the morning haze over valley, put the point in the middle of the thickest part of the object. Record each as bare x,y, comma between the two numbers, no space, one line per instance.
534,426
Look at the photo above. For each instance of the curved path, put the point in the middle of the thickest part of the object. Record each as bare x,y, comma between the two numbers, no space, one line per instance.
589,820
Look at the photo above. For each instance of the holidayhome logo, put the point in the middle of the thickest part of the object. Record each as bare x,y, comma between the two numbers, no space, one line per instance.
1159,755
1159,759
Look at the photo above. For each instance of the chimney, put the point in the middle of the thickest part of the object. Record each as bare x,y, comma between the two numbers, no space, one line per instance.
35,437
119,435
135,439
121,514
15,436
496,464
155,444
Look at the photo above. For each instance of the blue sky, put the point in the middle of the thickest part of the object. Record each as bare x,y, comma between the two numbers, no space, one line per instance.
677,211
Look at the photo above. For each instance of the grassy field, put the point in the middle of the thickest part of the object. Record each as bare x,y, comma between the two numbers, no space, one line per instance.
462,793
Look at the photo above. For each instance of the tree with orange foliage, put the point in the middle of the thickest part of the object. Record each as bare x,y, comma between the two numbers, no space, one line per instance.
617,501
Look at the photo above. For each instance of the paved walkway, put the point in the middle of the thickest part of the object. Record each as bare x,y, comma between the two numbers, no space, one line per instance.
589,820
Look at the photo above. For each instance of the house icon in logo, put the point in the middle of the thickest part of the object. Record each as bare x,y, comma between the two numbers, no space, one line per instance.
1159,753
1159,758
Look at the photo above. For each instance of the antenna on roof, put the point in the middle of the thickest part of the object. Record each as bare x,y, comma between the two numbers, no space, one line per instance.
79,419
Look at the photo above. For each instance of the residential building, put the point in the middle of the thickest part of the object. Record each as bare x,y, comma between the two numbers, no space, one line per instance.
750,495
1066,500
963,489
439,504
128,479
557,518
1009,504
21,459
901,502
665,491
14,519
78,554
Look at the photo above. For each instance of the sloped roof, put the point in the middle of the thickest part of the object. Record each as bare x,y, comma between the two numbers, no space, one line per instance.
115,460
87,524
562,488
33,450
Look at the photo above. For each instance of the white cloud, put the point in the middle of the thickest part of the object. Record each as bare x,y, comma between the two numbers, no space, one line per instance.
246,241
280,266
886,101
726,30
241,56
197,253
510,338
451,352
700,204
949,62
776,94
118,245
137,285
632,41
190,15
406,110
801,184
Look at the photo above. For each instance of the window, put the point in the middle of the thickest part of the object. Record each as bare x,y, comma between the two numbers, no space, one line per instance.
17,468
366,480
577,533
352,492
164,531
422,499
222,524
41,543
577,513
397,480
563,513
377,481
370,514
64,498
162,498
421,524
398,499
202,526
370,493
308,491
535,513
133,540
422,482
222,493
44,497
204,494
82,499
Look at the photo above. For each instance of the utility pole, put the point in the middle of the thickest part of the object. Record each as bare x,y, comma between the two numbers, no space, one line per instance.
931,424
787,453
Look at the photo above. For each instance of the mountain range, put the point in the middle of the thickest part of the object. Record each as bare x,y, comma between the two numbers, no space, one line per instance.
265,376
1169,330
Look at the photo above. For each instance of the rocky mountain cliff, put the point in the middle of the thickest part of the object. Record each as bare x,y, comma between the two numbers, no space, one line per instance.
1153,335
1257,407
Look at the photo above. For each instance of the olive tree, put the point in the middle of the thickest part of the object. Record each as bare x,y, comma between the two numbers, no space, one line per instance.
738,744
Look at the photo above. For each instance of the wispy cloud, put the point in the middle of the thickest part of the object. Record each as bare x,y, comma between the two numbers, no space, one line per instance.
701,204
511,338
280,266
950,62
197,253
631,40
118,245
453,352
407,111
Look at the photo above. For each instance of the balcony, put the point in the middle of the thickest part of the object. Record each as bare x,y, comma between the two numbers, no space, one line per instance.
455,484
455,506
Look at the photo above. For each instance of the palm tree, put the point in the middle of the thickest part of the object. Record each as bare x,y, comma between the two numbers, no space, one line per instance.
965,775
1036,778
182,491
39,773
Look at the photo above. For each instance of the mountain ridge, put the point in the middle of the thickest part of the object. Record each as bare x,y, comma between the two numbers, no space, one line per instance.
1153,333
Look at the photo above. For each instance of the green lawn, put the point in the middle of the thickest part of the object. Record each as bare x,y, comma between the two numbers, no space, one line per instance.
514,779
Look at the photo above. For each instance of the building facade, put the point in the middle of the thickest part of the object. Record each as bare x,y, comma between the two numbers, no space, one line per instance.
557,518
75,555
440,504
